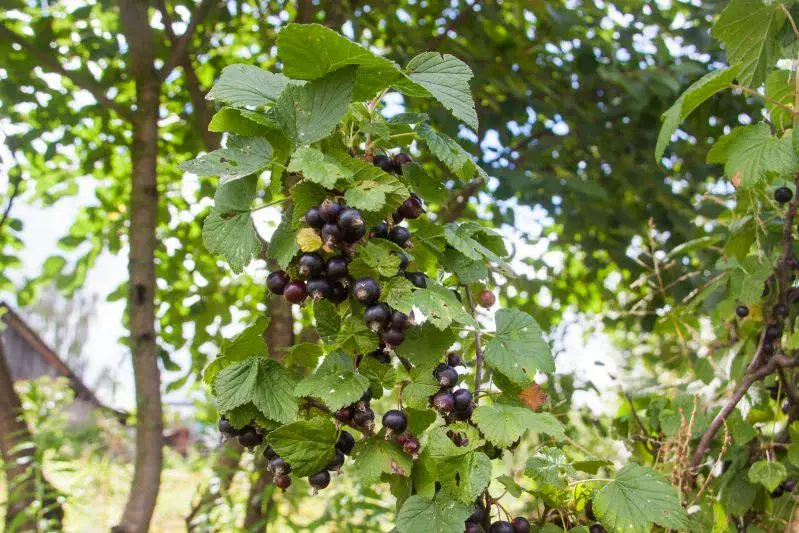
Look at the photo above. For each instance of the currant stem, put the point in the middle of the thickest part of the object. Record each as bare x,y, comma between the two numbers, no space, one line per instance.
478,348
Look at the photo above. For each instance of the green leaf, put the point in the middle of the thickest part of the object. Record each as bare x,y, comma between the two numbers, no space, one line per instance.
261,381
736,492
439,515
780,89
328,323
425,345
397,292
550,467
441,307
381,256
241,157
510,485
232,235
591,466
303,355
248,343
636,498
310,112
335,383
283,244
372,189
426,186
318,167
305,196
422,386
468,475
376,456
235,196
518,349
768,473
468,238
748,29
242,85
755,152
447,78
232,120
504,424
307,445
693,97
747,280
356,337
448,151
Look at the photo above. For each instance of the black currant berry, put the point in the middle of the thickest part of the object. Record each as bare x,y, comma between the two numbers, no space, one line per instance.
337,268
319,288
500,526
447,376
443,401
742,311
346,442
395,420
351,224
404,262
314,219
477,514
381,355
270,453
366,291
589,510
331,235
399,321
418,279
393,337
380,231
465,415
329,211
384,162
279,466
344,414
338,293
400,160
471,527
463,399
366,397
377,316
249,438
310,265
411,446
276,281
320,480
597,528
401,236
487,299
783,195
453,359
226,428
338,461
411,208
781,310
789,485
520,525
282,482
295,292
364,418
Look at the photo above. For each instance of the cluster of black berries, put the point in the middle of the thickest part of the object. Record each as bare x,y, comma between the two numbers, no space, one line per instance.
452,404
281,469
517,525
786,486
379,317
315,278
396,423
248,436
359,415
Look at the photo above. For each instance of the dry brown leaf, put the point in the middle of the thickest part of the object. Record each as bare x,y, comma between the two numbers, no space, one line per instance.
533,397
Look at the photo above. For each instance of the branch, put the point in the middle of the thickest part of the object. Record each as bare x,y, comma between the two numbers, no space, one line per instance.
15,184
180,47
460,199
80,80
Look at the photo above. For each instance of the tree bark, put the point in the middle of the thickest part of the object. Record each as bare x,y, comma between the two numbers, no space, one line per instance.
141,502
22,468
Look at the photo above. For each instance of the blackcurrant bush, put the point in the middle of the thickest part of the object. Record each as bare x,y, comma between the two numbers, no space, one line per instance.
781,310
377,316
270,453
338,461
337,268
418,279
331,235
401,236
447,376
400,160
329,211
344,414
384,162
411,446
366,291
346,442
295,292
282,482
453,359
393,337
742,311
500,526
487,299
338,293
310,265
226,428
364,418
463,399
249,438
589,510
314,219
783,195
319,288
399,321
320,480
395,420
597,528
380,231
404,261
443,401
279,466
276,281
520,525
411,208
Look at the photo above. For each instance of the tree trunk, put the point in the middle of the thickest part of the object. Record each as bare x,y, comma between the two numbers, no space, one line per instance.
25,482
139,508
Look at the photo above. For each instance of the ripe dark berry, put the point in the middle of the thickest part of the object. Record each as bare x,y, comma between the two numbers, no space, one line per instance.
366,397
404,261
447,376
319,480
453,359
249,438
338,461
392,337
310,265
500,526
279,466
443,401
346,442
295,292
351,224
384,162
282,482
338,293
270,453
403,437
276,281
344,414
399,321
417,278
464,415
487,299
331,235
742,311
773,332
400,160
781,310
589,510
337,268
520,525
314,219
395,420
401,236
226,428
381,355
789,485
377,316
783,195
471,527
329,211
411,446
786,406
463,399
380,231
597,528
364,418
411,208
477,514
319,288
366,291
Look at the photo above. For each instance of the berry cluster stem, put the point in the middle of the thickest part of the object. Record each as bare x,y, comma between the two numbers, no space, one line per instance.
478,345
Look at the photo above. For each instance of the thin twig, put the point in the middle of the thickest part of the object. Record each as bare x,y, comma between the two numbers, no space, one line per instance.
790,19
768,99
14,193
181,46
